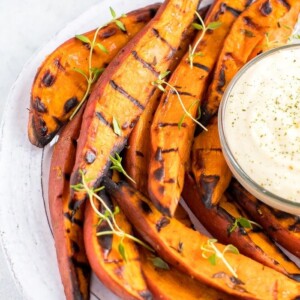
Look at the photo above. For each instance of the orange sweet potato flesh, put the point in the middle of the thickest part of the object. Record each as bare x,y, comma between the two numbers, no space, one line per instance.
218,220
124,278
125,88
173,285
170,145
164,234
57,88
209,167
282,227
246,34
67,229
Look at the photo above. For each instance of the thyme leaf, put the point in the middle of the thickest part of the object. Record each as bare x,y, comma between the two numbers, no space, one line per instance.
117,165
193,50
159,263
116,127
212,254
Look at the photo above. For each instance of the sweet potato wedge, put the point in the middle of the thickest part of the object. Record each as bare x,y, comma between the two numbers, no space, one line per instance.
219,221
210,170
138,150
67,228
281,34
248,31
124,89
170,142
166,235
172,284
137,154
281,227
124,278
57,88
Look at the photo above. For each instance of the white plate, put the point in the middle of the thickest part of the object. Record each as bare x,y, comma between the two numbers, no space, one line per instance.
25,229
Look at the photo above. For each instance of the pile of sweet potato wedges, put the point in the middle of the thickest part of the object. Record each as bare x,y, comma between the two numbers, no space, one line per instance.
162,71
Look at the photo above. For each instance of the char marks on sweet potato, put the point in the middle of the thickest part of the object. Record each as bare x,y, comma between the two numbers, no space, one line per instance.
219,221
254,280
125,88
68,228
281,227
210,170
57,88
124,278
171,143
247,34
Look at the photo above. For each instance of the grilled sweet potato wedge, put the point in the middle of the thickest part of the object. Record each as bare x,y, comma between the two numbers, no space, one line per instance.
137,154
67,228
165,235
219,221
170,142
124,89
281,227
280,35
124,278
171,284
248,31
57,88
209,167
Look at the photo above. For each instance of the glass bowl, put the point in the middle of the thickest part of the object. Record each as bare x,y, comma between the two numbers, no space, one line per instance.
235,163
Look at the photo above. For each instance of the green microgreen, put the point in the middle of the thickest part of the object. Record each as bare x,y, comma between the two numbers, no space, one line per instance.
204,29
116,127
212,254
93,73
159,263
190,107
117,165
108,216
242,222
160,83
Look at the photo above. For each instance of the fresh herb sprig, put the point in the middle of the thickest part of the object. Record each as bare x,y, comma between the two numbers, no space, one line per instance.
212,253
117,165
242,222
161,82
108,216
94,73
204,29
190,107
159,263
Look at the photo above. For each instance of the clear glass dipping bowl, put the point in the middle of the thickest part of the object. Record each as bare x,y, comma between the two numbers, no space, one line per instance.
249,184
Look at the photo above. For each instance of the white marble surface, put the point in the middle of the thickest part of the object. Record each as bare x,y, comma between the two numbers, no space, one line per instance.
25,26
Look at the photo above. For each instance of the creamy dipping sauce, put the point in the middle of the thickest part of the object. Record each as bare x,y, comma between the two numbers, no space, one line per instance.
261,123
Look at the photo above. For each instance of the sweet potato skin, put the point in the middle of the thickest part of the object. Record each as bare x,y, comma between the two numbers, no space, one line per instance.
125,279
210,170
247,32
57,88
281,227
171,145
173,284
147,55
67,229
218,220
164,234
